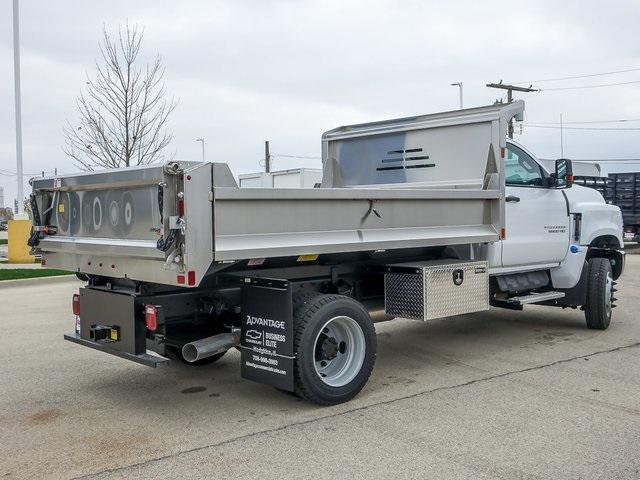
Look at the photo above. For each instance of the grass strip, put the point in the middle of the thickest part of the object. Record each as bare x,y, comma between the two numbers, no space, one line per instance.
21,273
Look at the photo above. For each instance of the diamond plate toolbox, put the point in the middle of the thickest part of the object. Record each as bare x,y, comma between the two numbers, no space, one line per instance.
435,289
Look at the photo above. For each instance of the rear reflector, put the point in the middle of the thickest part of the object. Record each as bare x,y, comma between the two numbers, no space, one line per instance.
75,304
181,207
191,277
180,279
151,317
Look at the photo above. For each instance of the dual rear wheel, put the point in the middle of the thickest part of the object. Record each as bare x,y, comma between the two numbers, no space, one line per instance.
335,341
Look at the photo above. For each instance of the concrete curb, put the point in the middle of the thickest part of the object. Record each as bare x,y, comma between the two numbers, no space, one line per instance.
24,282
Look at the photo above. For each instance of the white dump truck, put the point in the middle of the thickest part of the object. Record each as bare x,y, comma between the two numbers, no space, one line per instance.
422,217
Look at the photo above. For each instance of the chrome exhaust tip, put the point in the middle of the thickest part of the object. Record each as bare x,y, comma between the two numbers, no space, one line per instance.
210,346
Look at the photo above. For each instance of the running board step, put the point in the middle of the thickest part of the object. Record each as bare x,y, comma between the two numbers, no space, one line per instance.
534,298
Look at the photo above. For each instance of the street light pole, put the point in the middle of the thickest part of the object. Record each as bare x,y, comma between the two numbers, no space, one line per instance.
201,140
16,79
459,85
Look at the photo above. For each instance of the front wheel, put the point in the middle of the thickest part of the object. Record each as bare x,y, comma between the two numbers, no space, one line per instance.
335,344
599,305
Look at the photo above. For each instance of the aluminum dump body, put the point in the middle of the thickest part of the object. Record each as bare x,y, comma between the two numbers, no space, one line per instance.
413,182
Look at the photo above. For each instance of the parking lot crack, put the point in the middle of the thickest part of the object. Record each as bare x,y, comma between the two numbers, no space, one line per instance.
353,410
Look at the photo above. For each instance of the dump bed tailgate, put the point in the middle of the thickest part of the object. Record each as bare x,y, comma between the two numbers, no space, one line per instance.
124,223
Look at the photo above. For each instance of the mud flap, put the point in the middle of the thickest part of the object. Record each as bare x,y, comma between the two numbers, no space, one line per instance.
266,339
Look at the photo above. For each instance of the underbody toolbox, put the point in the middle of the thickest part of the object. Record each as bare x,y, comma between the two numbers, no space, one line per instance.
435,289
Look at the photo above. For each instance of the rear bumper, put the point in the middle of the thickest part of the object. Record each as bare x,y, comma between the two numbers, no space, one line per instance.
143,358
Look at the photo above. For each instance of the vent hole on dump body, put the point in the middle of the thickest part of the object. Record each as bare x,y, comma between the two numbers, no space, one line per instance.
405,167
407,150
406,159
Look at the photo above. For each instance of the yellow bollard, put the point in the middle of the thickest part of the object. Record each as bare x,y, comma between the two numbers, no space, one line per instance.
19,231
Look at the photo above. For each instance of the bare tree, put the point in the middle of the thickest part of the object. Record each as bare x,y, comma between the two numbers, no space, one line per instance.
123,110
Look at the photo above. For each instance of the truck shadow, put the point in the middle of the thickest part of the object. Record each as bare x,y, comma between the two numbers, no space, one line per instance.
408,350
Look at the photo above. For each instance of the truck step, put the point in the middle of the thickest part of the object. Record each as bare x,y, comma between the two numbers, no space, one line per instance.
534,298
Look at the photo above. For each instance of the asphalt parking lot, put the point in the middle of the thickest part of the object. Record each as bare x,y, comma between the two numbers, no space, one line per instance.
505,394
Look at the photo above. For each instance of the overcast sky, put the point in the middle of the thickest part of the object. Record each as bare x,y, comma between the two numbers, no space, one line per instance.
248,71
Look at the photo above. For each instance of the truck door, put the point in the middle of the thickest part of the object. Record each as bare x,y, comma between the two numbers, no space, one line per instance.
536,215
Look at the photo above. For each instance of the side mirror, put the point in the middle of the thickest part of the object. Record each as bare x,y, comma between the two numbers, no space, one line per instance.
564,173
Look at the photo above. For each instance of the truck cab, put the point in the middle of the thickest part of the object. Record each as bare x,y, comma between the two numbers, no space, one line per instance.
553,228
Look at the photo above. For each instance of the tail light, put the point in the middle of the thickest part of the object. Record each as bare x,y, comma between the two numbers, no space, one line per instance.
75,304
151,317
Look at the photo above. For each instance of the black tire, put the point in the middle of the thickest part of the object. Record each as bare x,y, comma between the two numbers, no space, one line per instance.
311,315
175,353
303,296
597,309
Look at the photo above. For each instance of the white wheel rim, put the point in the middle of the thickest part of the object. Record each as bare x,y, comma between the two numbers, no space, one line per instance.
339,351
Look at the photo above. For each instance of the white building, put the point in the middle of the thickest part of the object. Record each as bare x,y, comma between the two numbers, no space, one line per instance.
292,178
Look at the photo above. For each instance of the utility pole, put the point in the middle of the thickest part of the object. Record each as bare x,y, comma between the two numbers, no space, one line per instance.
561,139
16,80
267,157
201,140
459,85
510,89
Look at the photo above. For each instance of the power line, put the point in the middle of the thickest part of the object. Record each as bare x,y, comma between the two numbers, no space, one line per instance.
10,173
598,160
586,122
582,128
572,77
589,86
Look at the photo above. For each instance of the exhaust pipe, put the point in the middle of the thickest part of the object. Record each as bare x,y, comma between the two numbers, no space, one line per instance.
210,346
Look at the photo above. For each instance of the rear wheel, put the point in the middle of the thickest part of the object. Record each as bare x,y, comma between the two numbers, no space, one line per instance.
335,344
599,305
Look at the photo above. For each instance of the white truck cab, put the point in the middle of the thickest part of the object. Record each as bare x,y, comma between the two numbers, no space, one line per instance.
555,229
541,218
